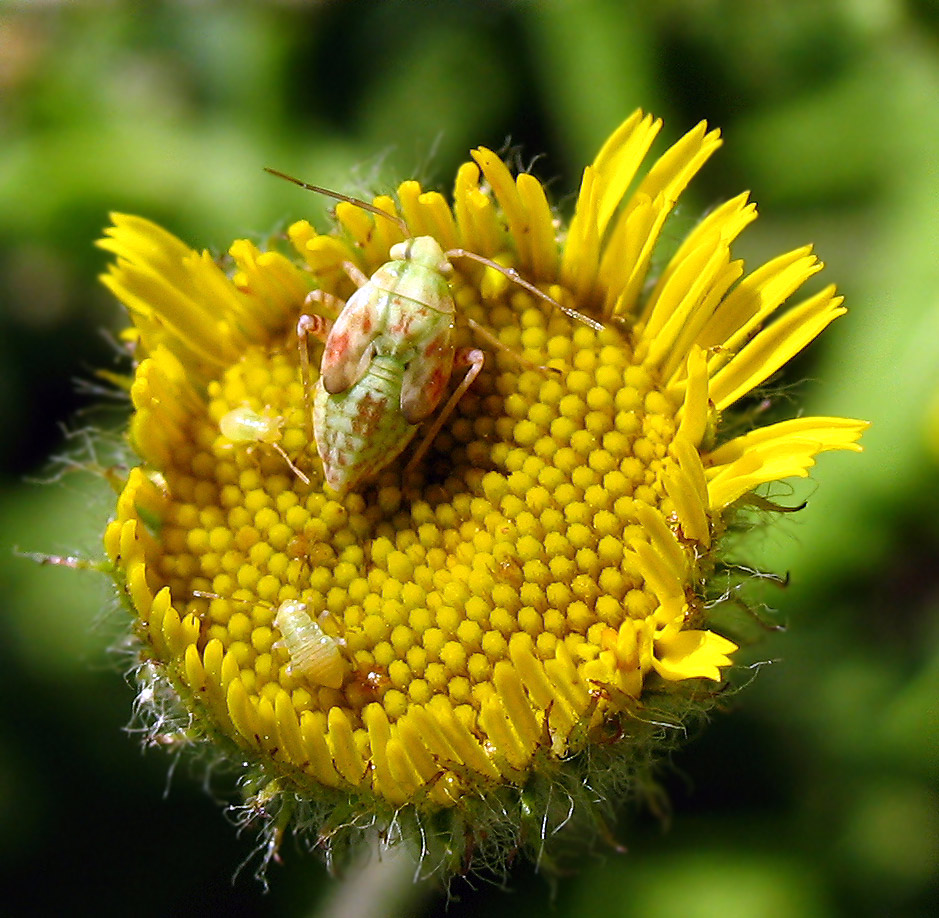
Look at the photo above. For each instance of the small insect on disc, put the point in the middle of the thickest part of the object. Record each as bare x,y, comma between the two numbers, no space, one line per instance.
313,653
245,425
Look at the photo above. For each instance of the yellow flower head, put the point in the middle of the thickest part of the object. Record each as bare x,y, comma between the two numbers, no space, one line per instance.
464,648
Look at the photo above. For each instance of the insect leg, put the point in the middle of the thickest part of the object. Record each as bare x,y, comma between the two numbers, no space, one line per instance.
473,358
332,304
354,274
293,468
318,327
490,338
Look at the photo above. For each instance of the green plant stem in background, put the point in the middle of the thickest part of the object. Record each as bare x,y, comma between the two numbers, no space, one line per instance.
381,883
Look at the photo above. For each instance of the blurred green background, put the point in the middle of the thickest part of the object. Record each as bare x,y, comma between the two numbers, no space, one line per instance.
815,793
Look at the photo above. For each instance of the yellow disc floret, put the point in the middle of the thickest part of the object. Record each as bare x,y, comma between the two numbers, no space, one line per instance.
491,576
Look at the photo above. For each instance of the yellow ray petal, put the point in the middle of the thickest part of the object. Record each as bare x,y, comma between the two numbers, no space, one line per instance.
692,654
660,191
616,166
779,451
754,299
506,193
775,346
544,244
695,410
476,216
723,225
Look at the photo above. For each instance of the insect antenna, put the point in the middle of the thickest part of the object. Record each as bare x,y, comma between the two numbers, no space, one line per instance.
72,561
208,594
516,278
338,196
511,273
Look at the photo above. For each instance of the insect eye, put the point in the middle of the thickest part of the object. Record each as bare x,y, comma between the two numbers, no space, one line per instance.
401,251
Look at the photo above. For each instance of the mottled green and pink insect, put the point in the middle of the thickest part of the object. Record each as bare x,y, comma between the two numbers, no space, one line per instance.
389,354
387,361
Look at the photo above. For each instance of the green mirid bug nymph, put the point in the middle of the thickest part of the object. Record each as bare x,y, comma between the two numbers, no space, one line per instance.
313,653
389,354
244,425
387,361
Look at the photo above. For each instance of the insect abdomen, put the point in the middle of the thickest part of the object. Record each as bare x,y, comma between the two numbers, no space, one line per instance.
361,430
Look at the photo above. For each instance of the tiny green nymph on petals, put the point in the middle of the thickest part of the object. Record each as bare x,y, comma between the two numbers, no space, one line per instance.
463,651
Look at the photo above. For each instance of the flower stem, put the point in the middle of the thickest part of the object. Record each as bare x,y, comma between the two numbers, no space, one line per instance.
380,884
